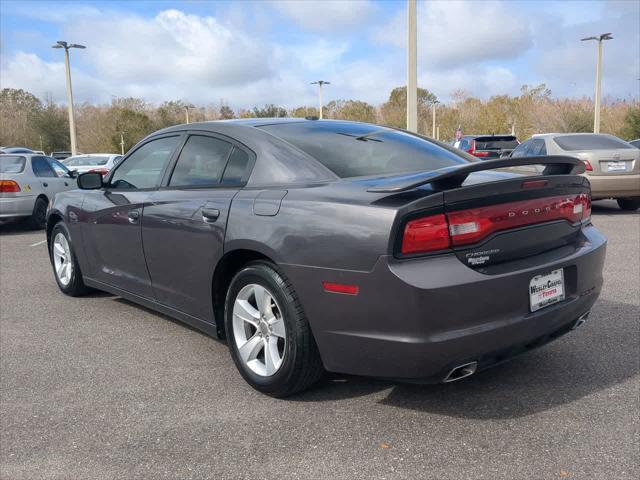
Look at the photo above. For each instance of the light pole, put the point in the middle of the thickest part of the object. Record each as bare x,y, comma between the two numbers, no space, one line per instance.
72,122
433,112
122,142
596,116
320,83
412,67
186,111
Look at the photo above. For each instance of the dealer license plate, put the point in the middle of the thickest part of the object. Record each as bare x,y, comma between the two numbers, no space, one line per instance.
545,290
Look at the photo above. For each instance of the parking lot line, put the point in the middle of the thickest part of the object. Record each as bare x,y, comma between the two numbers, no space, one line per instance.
38,243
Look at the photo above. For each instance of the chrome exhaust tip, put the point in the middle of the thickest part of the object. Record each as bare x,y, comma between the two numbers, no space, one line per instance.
461,371
581,320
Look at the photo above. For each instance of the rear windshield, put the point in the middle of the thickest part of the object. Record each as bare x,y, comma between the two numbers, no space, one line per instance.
354,150
507,142
86,161
590,142
11,164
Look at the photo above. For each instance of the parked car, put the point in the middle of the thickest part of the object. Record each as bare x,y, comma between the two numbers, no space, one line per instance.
488,146
28,182
612,165
334,245
15,150
92,162
60,155
635,143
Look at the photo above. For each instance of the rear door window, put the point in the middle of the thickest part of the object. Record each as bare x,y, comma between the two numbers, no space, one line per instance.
201,162
12,164
538,148
522,150
42,168
506,142
58,167
590,142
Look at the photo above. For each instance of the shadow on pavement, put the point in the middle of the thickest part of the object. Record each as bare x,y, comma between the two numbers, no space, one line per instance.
597,356
17,227
609,207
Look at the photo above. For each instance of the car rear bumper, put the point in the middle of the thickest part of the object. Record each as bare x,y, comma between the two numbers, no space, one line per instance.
614,186
415,320
17,206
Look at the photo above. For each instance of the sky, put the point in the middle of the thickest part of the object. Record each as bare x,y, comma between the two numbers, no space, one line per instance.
248,53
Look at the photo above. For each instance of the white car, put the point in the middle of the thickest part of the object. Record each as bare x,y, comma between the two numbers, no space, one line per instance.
92,162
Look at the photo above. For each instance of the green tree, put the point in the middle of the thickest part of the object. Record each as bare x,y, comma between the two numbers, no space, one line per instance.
631,127
394,110
52,125
18,111
269,111
226,113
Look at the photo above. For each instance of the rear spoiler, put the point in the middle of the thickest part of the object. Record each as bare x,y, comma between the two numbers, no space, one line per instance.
454,176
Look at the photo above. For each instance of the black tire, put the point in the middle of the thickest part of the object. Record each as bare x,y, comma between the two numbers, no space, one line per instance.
38,218
76,286
301,364
630,204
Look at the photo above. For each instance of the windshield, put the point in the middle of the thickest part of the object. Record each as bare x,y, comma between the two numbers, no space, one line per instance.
86,161
359,149
11,164
590,142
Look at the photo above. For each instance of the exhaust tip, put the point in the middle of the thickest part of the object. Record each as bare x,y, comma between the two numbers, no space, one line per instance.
461,371
582,319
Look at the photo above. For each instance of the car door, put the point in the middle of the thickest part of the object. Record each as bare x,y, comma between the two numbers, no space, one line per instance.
68,181
184,222
50,181
112,216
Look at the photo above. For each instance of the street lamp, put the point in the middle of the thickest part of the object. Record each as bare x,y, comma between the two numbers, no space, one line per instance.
320,83
600,39
72,122
186,111
412,67
433,111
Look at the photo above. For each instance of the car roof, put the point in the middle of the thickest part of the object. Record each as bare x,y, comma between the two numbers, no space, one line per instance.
94,155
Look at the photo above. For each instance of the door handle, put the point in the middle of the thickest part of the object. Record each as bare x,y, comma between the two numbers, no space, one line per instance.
133,215
210,214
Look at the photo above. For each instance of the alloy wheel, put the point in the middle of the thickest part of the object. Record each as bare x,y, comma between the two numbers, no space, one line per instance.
62,259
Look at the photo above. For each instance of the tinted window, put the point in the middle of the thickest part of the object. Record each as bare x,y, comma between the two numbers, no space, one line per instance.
507,142
590,142
522,149
41,167
144,167
351,150
538,147
236,168
201,162
12,164
117,160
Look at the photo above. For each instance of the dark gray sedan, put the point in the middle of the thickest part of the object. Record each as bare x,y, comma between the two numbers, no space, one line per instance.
329,245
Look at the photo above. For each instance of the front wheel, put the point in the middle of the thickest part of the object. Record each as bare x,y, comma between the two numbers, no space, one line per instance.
630,204
65,266
269,336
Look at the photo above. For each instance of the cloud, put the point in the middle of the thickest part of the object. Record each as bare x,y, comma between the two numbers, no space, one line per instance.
327,16
454,33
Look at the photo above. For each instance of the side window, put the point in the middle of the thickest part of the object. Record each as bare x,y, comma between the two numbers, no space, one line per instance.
236,168
143,169
201,162
543,147
42,168
60,169
522,150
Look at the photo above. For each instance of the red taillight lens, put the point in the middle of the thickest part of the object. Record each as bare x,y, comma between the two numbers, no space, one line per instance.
426,234
9,186
587,166
101,171
470,226
340,288
479,154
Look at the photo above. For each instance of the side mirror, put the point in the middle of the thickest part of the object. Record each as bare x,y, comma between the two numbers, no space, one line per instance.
90,181
73,173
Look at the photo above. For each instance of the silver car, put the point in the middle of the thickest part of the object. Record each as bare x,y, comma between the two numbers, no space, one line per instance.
92,162
28,182
612,165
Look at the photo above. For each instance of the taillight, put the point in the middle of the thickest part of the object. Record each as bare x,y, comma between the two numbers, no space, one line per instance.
101,171
426,234
587,166
9,186
475,153
465,227
470,226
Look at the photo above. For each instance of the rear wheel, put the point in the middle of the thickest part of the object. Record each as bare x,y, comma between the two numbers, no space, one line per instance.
65,266
37,220
629,203
269,336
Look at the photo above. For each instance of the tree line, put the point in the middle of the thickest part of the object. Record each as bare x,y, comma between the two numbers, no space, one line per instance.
41,124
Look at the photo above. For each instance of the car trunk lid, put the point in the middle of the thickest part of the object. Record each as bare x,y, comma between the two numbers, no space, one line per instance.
611,162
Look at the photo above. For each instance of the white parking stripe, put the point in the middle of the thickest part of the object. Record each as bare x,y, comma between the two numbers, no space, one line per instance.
38,243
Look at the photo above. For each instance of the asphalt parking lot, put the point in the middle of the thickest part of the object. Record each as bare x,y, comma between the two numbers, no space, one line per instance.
100,388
